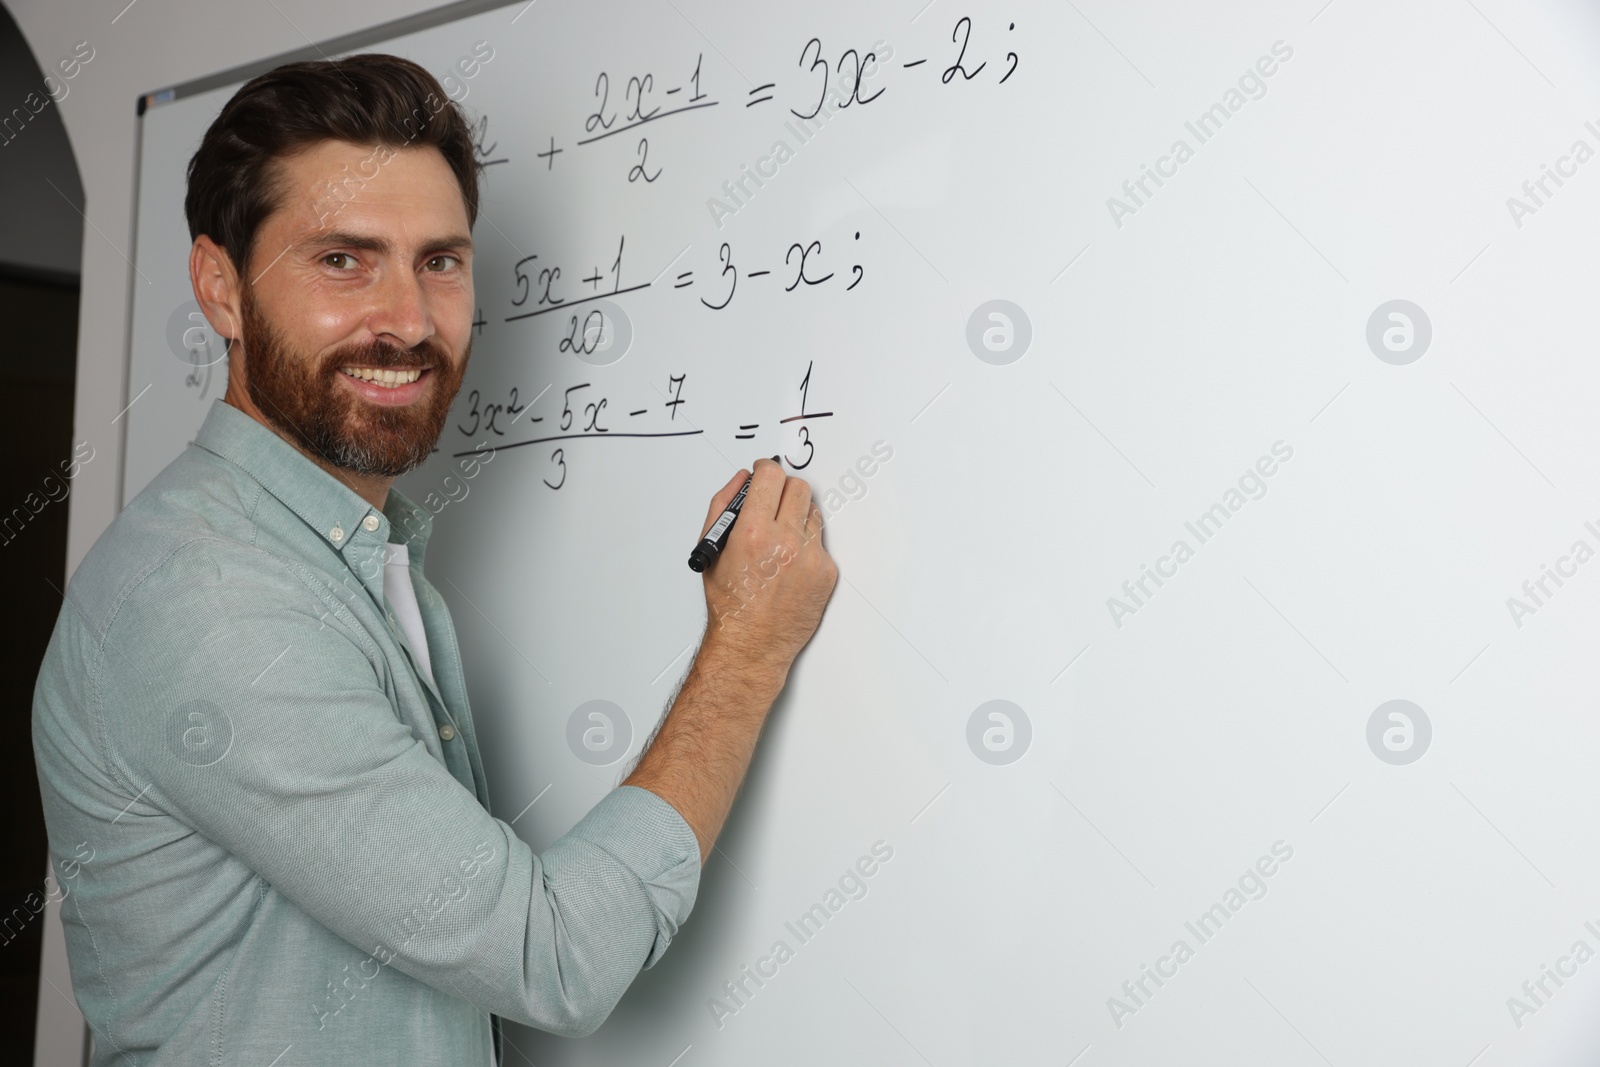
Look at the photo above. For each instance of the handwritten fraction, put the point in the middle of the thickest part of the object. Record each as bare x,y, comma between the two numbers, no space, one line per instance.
586,414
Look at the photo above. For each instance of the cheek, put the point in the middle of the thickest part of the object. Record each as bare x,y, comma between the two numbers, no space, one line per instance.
313,317
452,318
454,309
315,332
319,323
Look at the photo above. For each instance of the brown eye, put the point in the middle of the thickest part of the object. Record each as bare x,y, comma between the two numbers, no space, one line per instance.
336,255
438,259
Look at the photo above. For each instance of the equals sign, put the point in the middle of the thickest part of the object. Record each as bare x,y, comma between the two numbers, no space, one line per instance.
760,89
746,436
689,275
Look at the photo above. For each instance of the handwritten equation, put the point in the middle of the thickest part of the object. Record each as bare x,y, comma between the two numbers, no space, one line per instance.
804,264
624,102
587,414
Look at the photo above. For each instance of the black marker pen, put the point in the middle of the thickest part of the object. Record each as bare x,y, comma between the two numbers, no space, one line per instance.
710,547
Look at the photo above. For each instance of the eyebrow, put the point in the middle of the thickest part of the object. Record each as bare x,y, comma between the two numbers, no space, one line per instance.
369,243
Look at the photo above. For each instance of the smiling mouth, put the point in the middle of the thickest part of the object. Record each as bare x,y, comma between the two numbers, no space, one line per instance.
390,378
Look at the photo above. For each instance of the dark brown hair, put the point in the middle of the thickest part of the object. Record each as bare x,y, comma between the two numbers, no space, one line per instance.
370,99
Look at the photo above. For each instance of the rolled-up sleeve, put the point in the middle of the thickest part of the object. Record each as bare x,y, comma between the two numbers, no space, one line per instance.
238,698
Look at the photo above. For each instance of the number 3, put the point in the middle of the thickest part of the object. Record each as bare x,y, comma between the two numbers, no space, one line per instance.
560,459
805,439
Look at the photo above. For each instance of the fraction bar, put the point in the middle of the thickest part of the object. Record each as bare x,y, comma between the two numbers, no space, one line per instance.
652,118
571,437
582,300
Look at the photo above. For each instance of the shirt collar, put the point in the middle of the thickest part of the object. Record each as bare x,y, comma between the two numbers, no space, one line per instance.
332,509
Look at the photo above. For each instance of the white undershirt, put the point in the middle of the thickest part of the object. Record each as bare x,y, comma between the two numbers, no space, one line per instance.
401,596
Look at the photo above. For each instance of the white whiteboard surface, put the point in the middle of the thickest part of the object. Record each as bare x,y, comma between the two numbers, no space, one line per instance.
1217,321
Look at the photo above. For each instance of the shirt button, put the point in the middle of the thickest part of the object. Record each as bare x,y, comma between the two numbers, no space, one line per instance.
370,523
336,534
446,732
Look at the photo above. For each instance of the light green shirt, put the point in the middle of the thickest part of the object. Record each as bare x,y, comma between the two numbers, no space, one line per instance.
270,832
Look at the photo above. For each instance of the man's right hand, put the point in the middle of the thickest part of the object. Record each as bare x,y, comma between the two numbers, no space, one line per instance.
764,597
767,589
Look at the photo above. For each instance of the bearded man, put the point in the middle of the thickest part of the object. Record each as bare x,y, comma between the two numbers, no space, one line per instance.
260,771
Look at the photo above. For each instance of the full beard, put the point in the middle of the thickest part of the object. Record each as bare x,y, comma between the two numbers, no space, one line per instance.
301,397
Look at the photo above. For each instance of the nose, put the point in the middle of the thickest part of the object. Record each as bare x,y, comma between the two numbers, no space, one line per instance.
400,315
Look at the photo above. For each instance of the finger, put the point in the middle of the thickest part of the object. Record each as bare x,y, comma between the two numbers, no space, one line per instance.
796,503
766,489
719,503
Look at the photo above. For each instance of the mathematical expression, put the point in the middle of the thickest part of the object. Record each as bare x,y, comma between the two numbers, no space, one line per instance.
481,151
622,102
805,265
199,377
542,282
586,415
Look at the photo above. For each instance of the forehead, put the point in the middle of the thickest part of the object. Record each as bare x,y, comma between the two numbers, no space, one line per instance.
399,190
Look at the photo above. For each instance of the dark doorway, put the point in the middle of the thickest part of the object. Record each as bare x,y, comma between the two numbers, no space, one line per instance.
41,237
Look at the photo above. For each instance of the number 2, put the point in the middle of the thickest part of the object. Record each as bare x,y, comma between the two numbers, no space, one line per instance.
956,68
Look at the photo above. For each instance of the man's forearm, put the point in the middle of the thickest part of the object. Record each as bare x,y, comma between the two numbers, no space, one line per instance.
703,747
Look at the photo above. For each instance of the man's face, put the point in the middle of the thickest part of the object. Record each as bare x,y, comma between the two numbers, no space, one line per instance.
357,305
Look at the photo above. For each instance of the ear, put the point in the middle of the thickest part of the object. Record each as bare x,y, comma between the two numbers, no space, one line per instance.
216,287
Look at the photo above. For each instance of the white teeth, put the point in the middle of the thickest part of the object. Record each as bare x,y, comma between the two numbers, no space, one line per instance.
386,378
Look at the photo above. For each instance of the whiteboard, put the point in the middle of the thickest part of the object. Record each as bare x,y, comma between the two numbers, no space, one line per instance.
1202,402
